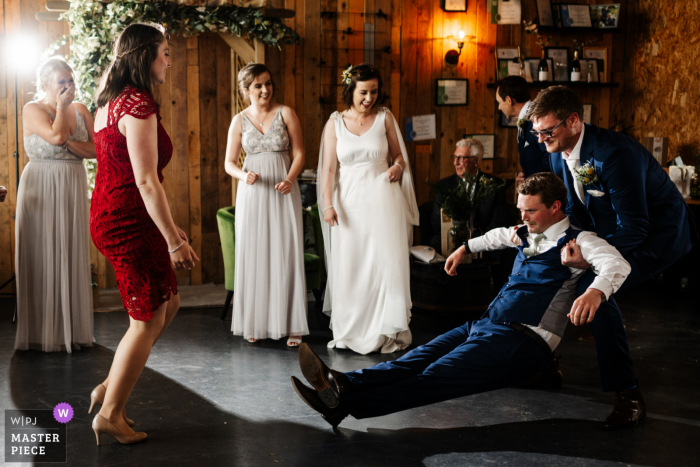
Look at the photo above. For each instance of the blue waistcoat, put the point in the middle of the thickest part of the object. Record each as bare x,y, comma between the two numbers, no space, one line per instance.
539,290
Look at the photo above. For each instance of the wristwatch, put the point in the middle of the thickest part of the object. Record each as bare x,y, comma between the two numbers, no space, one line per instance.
466,247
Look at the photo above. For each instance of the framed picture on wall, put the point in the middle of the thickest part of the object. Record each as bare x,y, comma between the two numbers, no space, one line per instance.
544,12
489,142
600,54
506,59
560,61
506,122
605,16
507,67
453,5
452,91
575,16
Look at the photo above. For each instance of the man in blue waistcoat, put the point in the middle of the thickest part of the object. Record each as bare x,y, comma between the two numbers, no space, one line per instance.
513,97
618,190
506,348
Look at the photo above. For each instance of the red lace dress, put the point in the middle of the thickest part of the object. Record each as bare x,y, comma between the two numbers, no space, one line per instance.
120,226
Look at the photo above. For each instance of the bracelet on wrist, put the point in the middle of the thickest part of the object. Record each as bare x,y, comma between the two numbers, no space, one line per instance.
327,208
178,247
287,180
466,247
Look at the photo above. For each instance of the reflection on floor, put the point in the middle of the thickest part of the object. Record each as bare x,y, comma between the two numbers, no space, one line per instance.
207,398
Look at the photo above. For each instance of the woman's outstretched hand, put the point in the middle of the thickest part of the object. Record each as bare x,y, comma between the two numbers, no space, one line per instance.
184,257
331,217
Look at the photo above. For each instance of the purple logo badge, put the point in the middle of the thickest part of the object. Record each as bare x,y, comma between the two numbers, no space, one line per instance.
63,412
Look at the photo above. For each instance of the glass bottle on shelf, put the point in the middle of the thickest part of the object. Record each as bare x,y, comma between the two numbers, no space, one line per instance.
543,69
575,68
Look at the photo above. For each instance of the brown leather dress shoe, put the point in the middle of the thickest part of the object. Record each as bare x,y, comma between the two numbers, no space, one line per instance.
333,416
330,384
629,410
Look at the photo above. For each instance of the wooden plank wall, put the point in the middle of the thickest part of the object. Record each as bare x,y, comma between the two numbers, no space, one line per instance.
196,99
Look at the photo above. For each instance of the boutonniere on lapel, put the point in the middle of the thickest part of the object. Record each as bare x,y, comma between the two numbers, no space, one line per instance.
522,123
586,174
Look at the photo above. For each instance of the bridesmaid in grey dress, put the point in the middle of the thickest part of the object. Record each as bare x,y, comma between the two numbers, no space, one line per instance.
54,288
270,286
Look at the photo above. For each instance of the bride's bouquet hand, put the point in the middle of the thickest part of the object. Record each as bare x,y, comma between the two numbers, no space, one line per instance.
394,173
331,217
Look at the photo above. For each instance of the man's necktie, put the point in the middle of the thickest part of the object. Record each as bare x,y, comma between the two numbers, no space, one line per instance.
532,249
575,164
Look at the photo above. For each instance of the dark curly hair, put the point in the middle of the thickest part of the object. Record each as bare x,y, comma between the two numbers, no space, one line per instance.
362,72
130,66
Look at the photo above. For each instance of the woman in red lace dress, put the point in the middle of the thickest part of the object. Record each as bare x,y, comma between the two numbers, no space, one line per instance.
130,220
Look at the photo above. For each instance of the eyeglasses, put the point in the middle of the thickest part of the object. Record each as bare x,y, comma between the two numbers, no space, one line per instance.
462,159
547,133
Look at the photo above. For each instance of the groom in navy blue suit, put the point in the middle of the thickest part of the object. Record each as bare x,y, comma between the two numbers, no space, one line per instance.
627,198
618,190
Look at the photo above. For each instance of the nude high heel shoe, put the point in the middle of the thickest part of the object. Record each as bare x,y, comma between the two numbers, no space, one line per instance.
102,425
97,396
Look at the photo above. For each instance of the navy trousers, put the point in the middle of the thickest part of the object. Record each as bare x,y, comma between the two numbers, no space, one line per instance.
477,357
614,361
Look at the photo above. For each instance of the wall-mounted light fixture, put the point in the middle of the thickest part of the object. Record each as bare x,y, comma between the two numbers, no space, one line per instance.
452,56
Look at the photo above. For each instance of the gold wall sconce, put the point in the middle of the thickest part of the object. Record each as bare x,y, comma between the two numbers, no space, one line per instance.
452,56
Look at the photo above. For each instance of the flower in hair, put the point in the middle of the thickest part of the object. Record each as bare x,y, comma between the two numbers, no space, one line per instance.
347,79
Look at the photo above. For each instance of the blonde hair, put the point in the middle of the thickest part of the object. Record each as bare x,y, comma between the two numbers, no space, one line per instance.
45,73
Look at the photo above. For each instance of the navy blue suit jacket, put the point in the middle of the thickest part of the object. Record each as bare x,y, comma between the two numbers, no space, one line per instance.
641,212
533,157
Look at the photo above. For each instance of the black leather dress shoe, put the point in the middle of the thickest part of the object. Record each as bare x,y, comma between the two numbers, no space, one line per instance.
549,378
330,384
333,416
629,410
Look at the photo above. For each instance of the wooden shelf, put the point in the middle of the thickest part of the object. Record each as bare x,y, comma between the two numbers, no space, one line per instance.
571,84
556,30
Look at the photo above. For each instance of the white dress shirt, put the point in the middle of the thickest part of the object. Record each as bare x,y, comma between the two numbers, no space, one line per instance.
608,264
574,162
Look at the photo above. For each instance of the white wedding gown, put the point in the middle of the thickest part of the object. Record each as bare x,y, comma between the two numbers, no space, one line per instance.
368,291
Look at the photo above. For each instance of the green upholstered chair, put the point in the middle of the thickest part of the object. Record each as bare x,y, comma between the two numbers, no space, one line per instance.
226,218
314,264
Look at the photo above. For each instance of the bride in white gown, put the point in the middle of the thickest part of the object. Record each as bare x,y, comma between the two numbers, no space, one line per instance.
369,207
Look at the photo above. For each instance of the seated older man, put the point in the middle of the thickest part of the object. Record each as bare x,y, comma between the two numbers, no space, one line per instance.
493,211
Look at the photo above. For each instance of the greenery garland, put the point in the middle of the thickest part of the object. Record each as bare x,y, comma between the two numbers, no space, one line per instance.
94,27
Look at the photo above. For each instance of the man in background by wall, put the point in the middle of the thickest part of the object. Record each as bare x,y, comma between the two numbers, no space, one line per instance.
3,193
491,213
513,97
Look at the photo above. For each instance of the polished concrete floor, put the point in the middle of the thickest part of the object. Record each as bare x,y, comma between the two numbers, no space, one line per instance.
208,398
